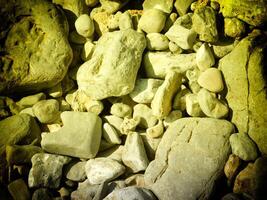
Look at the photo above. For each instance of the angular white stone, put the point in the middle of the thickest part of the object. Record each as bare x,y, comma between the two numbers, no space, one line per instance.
155,131
88,50
204,57
192,106
125,21
110,134
147,119
84,25
121,110
114,121
157,41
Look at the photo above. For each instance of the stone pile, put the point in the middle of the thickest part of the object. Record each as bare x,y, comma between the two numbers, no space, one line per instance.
146,100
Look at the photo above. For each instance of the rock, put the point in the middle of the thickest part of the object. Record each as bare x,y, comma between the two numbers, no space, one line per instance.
87,51
192,75
155,131
121,110
42,194
211,79
101,20
145,89
76,171
223,48
134,153
100,170
152,21
192,106
91,3
182,6
21,154
110,134
174,48
125,21
173,116
204,57
185,21
19,190
112,6
29,101
87,133
251,12
46,170
147,119
85,26
165,6
175,160
232,167
243,147
115,122
131,193
85,191
114,21
246,94
46,111
135,180
211,106
157,41
93,75
114,153
129,124
151,145
55,91
252,180
37,63
170,21
182,36
234,27
158,63
179,101
18,129
76,39
204,23
162,103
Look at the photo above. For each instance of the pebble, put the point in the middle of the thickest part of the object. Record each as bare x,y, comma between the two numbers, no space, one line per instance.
156,131
129,124
110,134
179,101
147,119
174,48
173,116
114,153
29,101
204,57
19,190
114,121
42,194
55,91
157,41
135,180
192,106
151,145
121,110
75,171
165,6
232,167
234,27
85,26
125,21
88,50
182,6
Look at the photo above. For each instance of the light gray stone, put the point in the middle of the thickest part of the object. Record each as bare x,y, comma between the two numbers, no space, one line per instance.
157,41
114,121
85,26
173,116
151,145
125,21
85,127
76,171
147,119
204,57
192,106
182,6
121,110
176,164
110,134
117,54
156,131
179,101
165,6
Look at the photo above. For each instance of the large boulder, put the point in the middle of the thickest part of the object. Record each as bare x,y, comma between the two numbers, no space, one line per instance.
114,65
189,158
245,77
37,53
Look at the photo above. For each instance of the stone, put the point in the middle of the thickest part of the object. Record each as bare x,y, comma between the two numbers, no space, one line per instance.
252,180
162,103
19,190
204,57
211,79
121,110
182,36
46,170
114,21
76,39
91,3
152,21
100,170
110,134
157,41
87,51
147,119
232,167
28,111
18,129
170,21
37,63
29,101
251,12
131,193
87,133
76,171
112,6
221,49
246,94
125,21
85,26
151,145
176,159
173,116
115,122
114,153
179,101
135,180
174,48
192,75
234,27
158,63
42,194
145,90
165,6
20,154
185,21
101,20
243,146
96,76
204,23
155,131
129,124
182,6
192,106
85,191
134,153
46,111
211,106
55,91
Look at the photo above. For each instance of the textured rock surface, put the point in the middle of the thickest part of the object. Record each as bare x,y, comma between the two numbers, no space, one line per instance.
176,165
37,63
165,6
117,54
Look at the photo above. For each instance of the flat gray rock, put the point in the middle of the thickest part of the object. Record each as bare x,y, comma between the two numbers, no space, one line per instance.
189,158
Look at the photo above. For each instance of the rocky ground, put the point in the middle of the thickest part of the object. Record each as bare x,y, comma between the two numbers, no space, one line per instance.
125,100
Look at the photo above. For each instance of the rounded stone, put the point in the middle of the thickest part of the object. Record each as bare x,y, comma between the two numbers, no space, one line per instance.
84,25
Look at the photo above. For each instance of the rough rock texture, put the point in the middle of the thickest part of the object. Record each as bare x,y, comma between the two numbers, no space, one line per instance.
38,57
182,6
117,54
165,6
246,93
176,172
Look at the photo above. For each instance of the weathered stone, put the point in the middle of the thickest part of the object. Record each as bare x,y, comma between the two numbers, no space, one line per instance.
114,153
243,146
173,116
232,167
134,153
114,21
76,171
55,91
121,110
192,106
157,41
85,191
114,121
116,54
182,6
129,124
170,21
204,57
147,119
185,21
88,51
46,170
192,75
85,26
234,27
37,63
101,20
99,170
19,190
221,49
211,79
42,194
174,48
162,103
204,23
176,158
151,145
156,131
28,111
135,180
165,6
110,134
111,6
29,101
125,21
87,133
179,101
158,63
152,21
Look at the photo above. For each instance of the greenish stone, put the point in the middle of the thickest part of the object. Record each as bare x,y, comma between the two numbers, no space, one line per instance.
234,27
165,6
112,6
182,6
29,101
